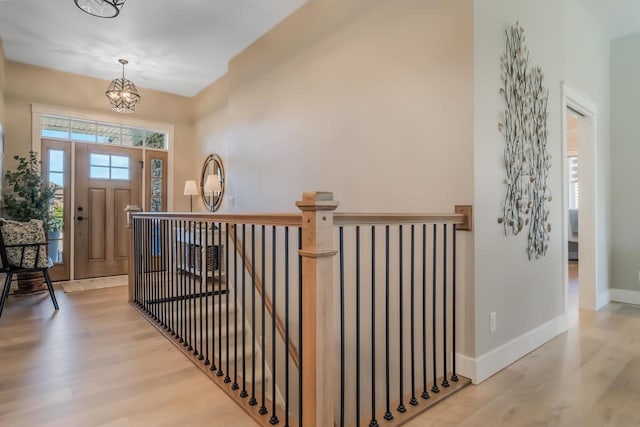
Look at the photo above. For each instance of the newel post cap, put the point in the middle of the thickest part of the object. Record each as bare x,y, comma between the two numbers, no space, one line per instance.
317,201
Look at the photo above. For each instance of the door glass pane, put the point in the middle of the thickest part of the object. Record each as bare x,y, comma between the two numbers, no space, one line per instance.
56,178
156,204
108,134
83,131
120,173
154,140
55,127
56,222
99,159
156,185
99,172
132,137
120,161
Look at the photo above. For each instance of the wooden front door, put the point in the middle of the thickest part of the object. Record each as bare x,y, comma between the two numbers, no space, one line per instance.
107,180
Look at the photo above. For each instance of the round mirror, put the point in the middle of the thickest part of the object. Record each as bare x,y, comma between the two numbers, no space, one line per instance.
212,182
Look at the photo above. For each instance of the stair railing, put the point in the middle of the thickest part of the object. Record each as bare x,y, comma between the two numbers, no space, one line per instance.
362,329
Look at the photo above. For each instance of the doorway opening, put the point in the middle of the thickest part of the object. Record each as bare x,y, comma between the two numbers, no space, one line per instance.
582,256
573,203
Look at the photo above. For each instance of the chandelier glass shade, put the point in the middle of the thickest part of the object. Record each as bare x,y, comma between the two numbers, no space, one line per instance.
101,8
122,93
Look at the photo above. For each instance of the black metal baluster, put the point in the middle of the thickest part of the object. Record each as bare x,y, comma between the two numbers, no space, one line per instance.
136,259
413,400
387,415
203,278
227,378
373,422
434,388
163,274
401,408
150,307
253,401
235,385
445,383
274,417
263,406
207,362
190,296
358,325
300,371
183,283
286,326
217,254
425,392
143,266
454,376
342,344
166,256
213,293
151,269
244,393
179,280
172,273
213,366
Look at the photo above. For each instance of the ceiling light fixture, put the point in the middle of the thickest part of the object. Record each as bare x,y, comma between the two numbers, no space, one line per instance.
122,93
101,8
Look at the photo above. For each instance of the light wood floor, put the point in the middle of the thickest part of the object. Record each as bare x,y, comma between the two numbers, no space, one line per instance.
587,377
99,363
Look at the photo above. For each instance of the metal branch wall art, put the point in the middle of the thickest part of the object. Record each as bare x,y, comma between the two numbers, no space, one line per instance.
526,159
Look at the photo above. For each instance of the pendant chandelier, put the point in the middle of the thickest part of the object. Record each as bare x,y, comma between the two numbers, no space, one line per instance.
101,8
122,93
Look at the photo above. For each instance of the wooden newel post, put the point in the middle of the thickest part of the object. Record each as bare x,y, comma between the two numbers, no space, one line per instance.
130,210
318,333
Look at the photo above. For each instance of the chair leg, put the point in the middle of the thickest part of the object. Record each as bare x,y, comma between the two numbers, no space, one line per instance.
5,291
50,287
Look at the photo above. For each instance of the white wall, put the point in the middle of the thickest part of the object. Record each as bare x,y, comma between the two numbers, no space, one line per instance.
625,152
528,295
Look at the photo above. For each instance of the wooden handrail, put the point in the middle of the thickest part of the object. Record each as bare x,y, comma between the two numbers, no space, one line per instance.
347,218
267,301
278,219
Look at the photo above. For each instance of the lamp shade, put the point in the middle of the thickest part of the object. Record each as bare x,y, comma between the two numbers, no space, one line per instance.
191,188
212,184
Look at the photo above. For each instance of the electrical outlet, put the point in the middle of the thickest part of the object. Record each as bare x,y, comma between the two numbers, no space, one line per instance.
231,201
492,321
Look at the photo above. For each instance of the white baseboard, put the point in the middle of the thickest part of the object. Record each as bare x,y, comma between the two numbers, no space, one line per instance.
625,296
490,363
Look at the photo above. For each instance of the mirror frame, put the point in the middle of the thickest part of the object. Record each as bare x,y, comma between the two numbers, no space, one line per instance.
211,202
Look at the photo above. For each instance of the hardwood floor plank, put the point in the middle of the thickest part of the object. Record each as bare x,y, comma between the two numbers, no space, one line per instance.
97,362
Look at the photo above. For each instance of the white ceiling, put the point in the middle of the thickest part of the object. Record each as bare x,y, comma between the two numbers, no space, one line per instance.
174,46
619,17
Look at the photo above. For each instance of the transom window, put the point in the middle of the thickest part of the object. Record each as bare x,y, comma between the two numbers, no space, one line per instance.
55,127
109,166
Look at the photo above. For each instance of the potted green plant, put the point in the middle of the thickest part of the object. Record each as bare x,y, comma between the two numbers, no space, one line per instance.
29,196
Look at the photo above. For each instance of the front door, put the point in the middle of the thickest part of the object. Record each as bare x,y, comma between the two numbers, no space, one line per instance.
107,180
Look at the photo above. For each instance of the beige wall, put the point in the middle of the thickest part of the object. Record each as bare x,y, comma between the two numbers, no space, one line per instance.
27,84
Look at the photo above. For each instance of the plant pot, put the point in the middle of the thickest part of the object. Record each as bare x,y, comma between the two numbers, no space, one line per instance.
29,283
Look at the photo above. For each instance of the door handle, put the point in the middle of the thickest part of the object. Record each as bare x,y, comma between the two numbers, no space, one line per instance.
80,218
